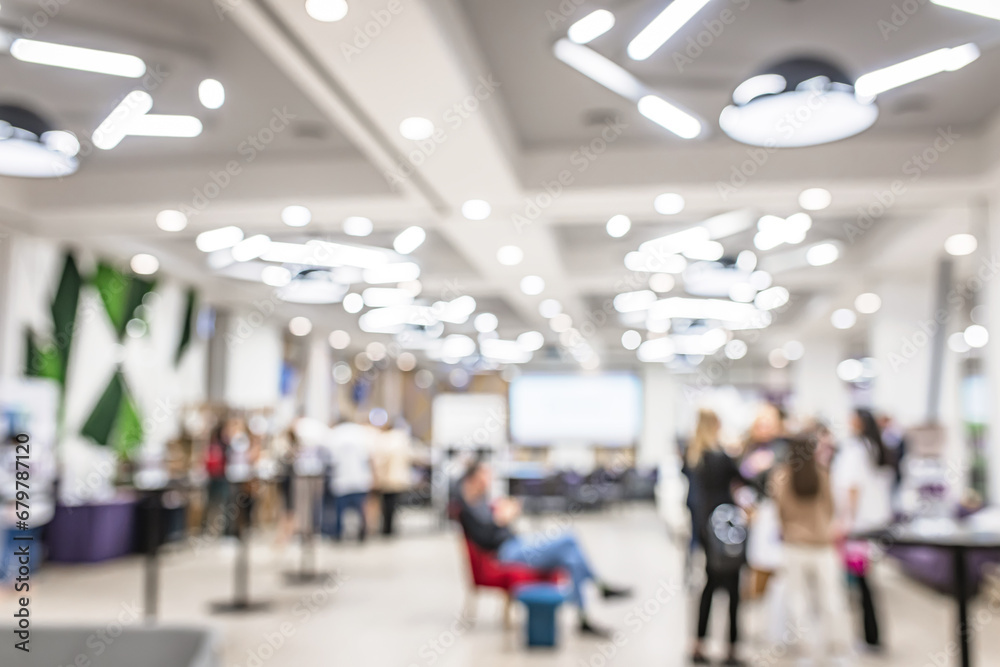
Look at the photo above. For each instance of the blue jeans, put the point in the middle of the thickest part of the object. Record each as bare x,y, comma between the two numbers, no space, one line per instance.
350,501
558,553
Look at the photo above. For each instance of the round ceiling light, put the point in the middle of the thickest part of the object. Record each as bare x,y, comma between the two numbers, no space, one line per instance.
327,11
798,102
314,286
30,148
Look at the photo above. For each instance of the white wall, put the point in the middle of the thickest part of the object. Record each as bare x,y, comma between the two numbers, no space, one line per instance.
253,363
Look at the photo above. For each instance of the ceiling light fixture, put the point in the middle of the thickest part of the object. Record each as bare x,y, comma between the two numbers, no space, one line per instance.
817,95
921,67
144,264
300,326
668,116
31,148
275,276
476,209
485,322
171,220
163,125
510,255
532,285
327,11
822,254
78,58
591,26
549,308
815,199
867,303
669,203
959,245
251,248
416,128
618,226
218,239
211,94
596,67
843,318
409,240
674,17
296,216
986,8
114,128
356,225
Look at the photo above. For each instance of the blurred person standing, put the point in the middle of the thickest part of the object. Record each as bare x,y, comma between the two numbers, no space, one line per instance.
862,477
216,457
714,475
813,569
391,462
350,444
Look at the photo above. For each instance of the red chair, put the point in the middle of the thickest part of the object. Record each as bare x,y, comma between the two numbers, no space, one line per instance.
485,571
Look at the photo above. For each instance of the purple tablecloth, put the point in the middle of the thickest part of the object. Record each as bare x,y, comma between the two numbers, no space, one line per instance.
92,533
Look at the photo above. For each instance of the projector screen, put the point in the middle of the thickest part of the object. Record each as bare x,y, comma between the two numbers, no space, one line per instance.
601,409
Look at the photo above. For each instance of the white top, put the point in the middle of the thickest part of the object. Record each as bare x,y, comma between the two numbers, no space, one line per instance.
853,468
350,448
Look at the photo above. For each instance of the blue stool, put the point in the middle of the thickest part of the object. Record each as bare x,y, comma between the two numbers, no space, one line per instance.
542,601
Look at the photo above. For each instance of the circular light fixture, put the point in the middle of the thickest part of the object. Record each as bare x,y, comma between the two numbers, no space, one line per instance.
406,362
531,341
510,255
736,349
313,286
793,350
353,303
662,282
843,318
815,199
218,239
850,370
476,209
356,225
375,350
339,339
532,285
561,323
327,11
631,339
342,373
171,220
618,226
144,264
416,128
960,245
211,94
31,148
296,216
300,326
409,240
549,308
977,336
485,322
868,303
956,343
251,248
797,102
777,358
669,203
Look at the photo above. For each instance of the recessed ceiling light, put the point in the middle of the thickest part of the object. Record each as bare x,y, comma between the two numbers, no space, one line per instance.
218,239
777,358
353,303
327,11
532,285
300,326
164,125
956,343
416,128
356,225
867,303
561,322
669,203
485,322
843,318
296,216
510,255
850,370
977,336
476,209
631,339
815,199
531,341
144,264
406,362
618,226
171,220
591,26
409,240
662,282
211,94
736,349
75,57
961,244
822,254
549,308
794,350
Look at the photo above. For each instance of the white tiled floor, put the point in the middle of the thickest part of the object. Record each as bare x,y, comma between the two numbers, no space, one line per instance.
398,604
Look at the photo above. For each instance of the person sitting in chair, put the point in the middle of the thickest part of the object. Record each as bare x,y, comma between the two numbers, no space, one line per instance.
489,529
